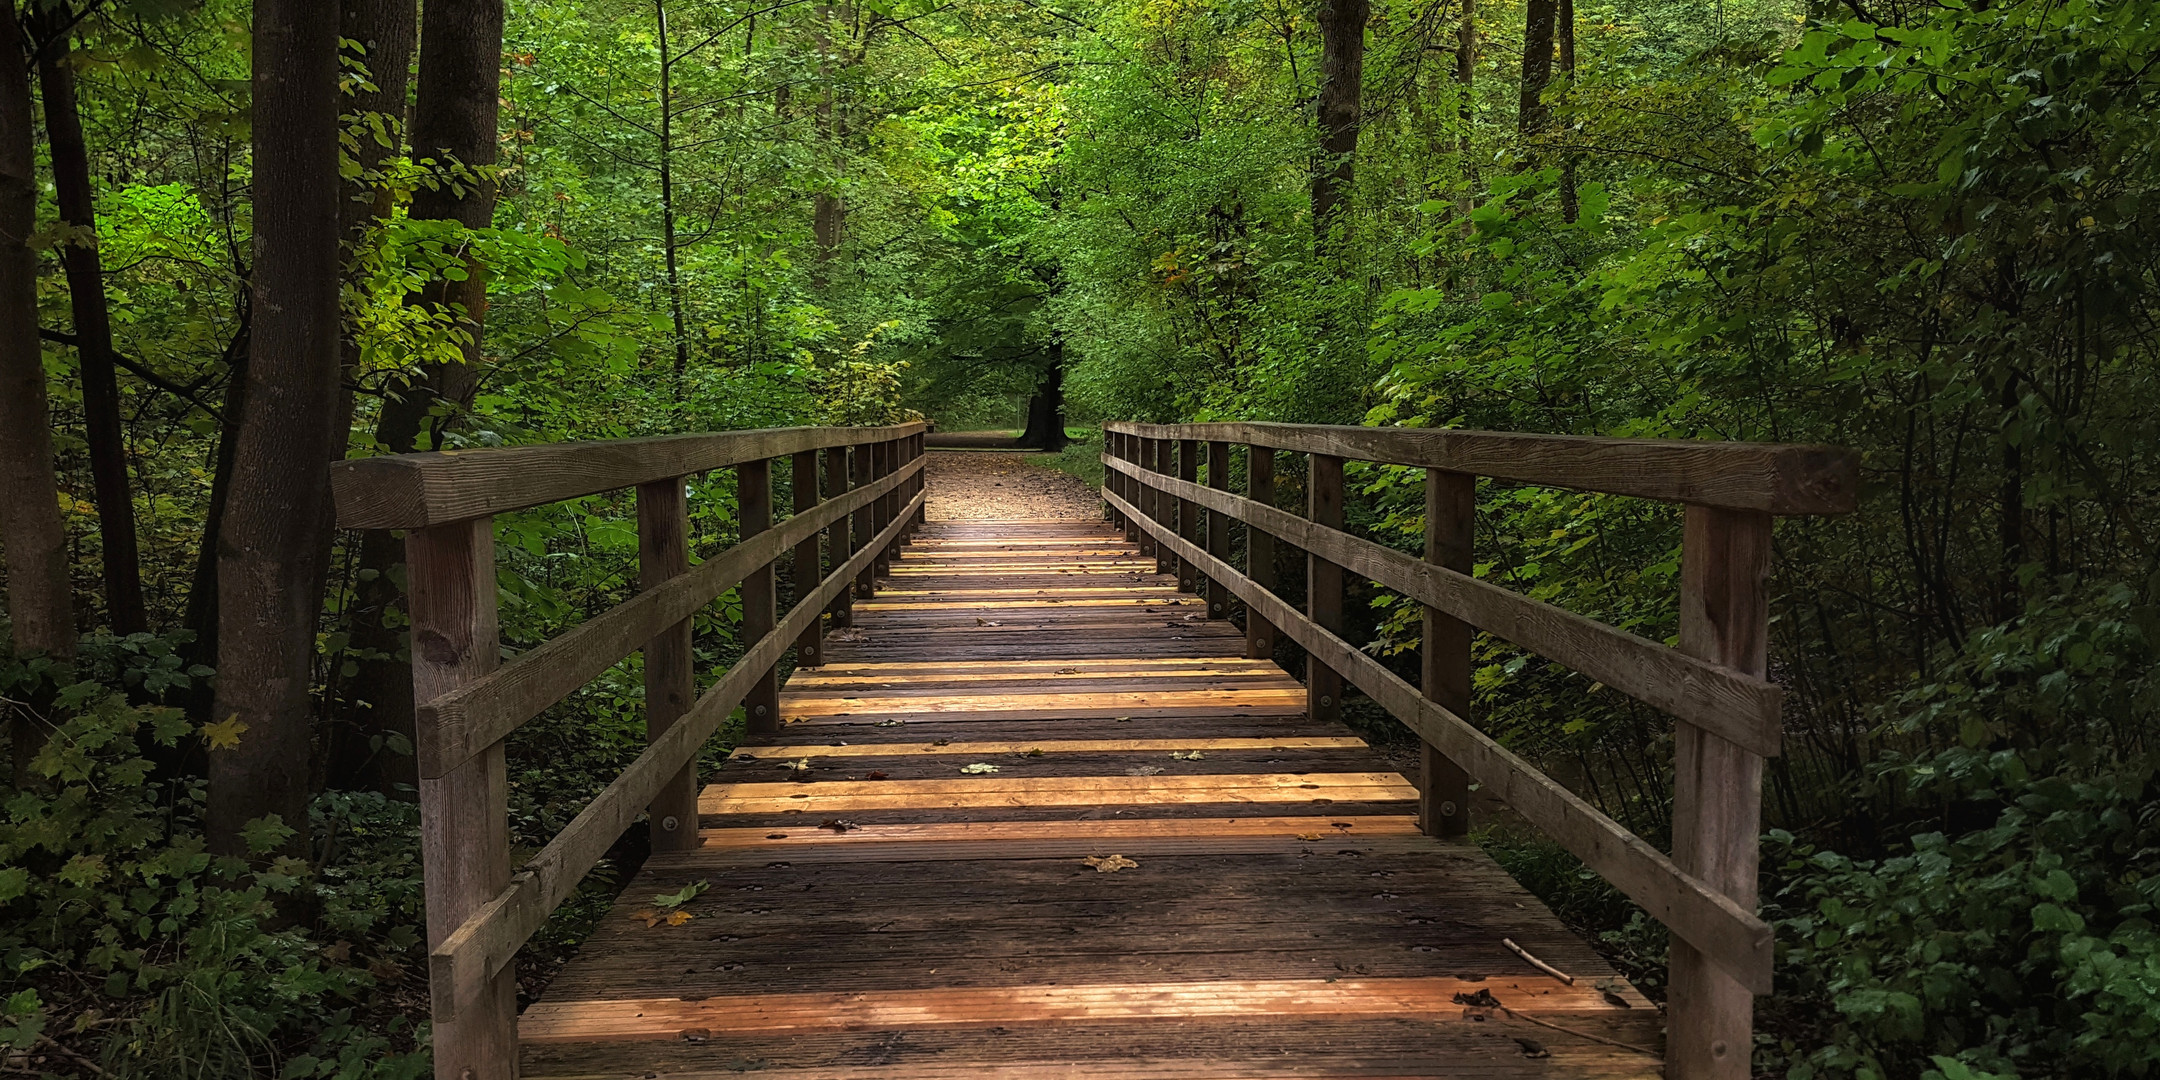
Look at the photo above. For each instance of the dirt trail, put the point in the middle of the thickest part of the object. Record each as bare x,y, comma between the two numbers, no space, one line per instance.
982,485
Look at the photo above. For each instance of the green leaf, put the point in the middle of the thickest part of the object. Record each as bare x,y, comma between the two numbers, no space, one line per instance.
681,896
266,834
2055,918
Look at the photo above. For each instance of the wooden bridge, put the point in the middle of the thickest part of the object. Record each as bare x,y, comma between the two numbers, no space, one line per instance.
1031,803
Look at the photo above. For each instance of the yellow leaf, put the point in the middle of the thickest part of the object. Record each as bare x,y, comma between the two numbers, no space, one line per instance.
1308,836
1109,864
225,734
677,918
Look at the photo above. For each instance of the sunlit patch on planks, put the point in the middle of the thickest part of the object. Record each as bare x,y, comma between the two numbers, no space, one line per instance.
898,888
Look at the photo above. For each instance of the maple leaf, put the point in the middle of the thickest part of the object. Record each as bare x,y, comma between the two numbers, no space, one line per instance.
677,918
1109,864
225,734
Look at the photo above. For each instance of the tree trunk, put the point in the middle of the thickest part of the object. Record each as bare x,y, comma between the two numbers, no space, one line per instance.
1537,64
357,755
667,201
274,545
1342,84
1466,79
93,341
1565,32
454,118
828,213
1046,408
200,616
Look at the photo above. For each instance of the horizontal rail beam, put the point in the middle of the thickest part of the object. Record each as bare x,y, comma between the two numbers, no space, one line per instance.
1735,706
414,491
1777,478
1733,937
454,727
487,941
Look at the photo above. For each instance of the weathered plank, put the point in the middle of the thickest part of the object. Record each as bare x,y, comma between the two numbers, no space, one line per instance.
1775,478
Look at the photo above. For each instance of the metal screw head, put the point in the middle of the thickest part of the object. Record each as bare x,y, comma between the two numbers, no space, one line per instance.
761,710
1447,808
669,824
1719,1049
1326,701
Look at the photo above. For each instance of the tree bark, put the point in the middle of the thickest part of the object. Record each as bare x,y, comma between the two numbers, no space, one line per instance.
1537,65
1466,80
1339,110
1046,408
357,755
667,201
274,546
455,113
102,428
1564,31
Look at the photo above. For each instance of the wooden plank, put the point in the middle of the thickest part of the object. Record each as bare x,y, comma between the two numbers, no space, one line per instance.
487,939
1323,583
670,680
1717,785
414,491
1739,706
1049,746
474,715
1096,831
1159,699
464,813
1444,654
1735,939
1432,999
1774,478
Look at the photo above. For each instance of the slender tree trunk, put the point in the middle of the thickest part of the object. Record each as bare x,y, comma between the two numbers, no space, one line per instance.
455,114
667,201
93,341
1466,80
1537,65
1565,32
1046,408
200,616
274,547
358,754
828,212
1339,109
40,611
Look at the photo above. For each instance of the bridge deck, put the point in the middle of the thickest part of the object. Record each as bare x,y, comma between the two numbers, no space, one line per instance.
902,891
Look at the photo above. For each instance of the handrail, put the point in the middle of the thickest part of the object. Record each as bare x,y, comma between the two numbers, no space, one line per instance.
1713,683
478,913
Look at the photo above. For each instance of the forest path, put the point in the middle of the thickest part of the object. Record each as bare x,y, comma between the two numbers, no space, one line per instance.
1038,816
994,485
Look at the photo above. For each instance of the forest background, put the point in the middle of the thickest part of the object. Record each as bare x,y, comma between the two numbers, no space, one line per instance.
1925,230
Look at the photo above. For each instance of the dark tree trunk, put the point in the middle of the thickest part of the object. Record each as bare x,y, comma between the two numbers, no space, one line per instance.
274,546
667,201
357,756
1466,79
200,616
1338,112
32,538
1046,408
93,341
454,119
1537,65
1564,30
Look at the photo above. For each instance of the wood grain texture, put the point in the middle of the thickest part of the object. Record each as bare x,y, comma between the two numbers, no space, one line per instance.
1323,581
807,566
413,491
466,719
1725,930
670,677
1741,707
1444,652
1771,477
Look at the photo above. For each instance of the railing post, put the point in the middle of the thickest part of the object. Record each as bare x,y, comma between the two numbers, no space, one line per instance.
922,481
1717,786
887,453
465,813
865,524
803,479
1324,585
1218,528
753,497
670,681
1127,489
1259,549
1152,454
1188,523
837,547
1450,520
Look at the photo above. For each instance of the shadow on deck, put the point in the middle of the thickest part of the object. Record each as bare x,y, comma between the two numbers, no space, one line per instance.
909,888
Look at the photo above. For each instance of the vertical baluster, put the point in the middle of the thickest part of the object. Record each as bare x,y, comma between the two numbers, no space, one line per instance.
663,514
1717,787
865,525
1188,522
1324,585
1218,528
753,495
1450,509
837,546
1126,489
1259,549
803,479
464,813
888,453
1152,452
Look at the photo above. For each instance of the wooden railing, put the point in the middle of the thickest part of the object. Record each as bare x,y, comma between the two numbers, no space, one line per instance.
1713,683
478,911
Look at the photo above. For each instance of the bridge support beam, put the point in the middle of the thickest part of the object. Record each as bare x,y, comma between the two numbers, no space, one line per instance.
1450,521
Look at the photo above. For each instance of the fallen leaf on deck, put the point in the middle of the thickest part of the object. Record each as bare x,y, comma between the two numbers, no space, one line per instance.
681,896
1308,836
1109,864
889,723
838,825
850,634
877,776
654,917
797,765
1192,756
1036,752
978,768
1068,671
1531,1048
697,1035
1143,770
